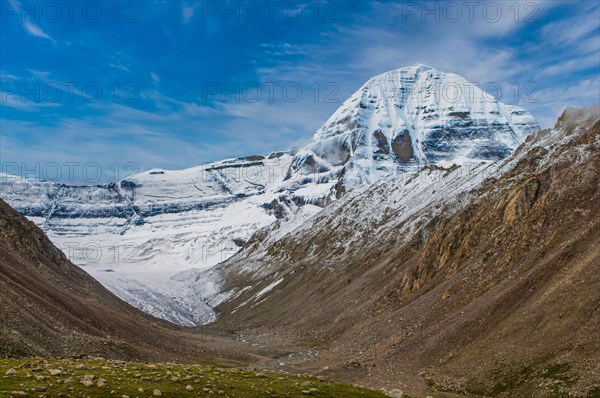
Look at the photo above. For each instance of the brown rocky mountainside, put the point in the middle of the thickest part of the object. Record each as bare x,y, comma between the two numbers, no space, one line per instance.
483,281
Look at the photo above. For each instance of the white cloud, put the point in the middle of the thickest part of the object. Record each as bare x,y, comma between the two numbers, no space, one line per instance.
29,26
187,13
155,78
554,100
8,76
39,74
573,65
572,30
36,31
117,134
17,101
119,66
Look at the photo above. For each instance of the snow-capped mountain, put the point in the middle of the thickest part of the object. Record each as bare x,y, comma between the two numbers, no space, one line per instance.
148,237
407,118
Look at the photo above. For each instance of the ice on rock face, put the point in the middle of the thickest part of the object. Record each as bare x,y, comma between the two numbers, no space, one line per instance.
148,238
408,118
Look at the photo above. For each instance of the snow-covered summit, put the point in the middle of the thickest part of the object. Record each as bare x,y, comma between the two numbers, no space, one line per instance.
409,117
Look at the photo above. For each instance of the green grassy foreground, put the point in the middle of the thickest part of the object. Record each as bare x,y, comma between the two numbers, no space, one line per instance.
34,377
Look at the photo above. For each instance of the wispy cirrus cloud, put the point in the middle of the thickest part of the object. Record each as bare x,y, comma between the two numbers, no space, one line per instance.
155,78
30,27
552,101
36,31
187,12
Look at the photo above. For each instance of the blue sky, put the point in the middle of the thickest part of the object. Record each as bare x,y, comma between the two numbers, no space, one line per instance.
173,84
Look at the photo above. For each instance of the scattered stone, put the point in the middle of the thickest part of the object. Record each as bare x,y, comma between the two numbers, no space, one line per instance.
313,390
55,372
40,378
189,388
18,394
11,372
261,375
174,378
157,393
140,389
124,396
305,392
87,383
40,389
395,394
81,366
101,383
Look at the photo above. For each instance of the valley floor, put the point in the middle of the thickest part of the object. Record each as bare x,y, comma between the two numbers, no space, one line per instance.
97,377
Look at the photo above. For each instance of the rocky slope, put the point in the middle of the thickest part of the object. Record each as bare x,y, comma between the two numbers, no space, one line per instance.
481,278
50,307
149,236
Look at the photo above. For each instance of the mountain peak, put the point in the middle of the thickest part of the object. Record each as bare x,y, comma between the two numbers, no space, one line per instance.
407,118
414,68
